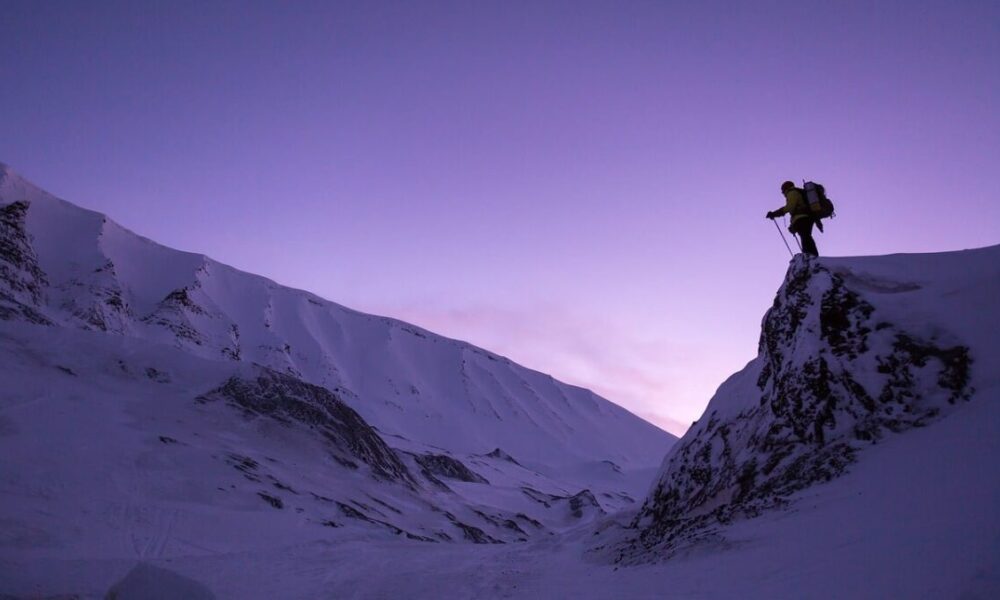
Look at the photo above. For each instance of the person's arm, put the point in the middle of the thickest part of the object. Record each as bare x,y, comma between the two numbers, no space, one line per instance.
787,208
793,198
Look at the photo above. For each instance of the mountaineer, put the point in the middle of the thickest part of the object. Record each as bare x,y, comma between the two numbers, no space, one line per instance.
802,216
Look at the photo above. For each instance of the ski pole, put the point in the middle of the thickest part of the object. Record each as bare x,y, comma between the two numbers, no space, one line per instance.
790,253
795,237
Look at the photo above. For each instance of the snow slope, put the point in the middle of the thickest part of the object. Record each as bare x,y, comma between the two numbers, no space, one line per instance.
76,268
157,404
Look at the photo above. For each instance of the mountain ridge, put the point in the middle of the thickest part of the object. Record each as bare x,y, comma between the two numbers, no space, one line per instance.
126,284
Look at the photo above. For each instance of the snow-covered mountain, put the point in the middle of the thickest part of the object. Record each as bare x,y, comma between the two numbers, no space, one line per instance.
238,439
156,403
72,267
855,353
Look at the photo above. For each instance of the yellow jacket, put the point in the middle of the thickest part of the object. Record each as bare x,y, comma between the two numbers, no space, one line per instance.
795,205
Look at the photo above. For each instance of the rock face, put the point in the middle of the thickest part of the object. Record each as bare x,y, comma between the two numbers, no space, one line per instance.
831,377
443,465
291,401
22,281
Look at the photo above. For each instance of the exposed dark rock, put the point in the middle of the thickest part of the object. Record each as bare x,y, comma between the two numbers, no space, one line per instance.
496,522
582,501
176,313
22,281
475,534
292,401
367,508
97,300
245,465
542,498
577,503
614,466
435,481
281,486
533,522
157,376
353,513
446,466
234,351
386,505
513,526
273,501
498,453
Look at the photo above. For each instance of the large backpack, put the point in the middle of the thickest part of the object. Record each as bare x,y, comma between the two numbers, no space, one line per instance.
820,207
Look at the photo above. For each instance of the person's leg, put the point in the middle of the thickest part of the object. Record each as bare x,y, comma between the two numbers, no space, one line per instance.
804,228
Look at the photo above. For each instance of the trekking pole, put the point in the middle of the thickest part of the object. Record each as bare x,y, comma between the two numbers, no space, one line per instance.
790,253
795,237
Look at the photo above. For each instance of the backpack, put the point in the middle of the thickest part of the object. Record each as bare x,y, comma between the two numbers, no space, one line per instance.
820,207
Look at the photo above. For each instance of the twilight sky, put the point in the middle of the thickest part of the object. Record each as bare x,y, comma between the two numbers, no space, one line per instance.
577,185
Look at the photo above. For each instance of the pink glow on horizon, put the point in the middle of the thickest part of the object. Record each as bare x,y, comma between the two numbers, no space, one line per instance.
640,376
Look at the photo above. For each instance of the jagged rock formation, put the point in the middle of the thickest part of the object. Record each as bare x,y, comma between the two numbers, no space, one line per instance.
500,454
832,376
443,465
292,401
22,281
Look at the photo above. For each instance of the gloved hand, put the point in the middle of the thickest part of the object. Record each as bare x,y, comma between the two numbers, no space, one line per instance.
771,214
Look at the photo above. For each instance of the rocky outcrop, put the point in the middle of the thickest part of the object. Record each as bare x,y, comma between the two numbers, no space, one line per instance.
582,505
22,281
445,466
180,314
294,402
501,455
832,376
98,302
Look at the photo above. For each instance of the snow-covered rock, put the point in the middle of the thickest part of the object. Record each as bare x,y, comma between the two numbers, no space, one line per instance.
852,353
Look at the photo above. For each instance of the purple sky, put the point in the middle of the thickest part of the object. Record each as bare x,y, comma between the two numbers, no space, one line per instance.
580,186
